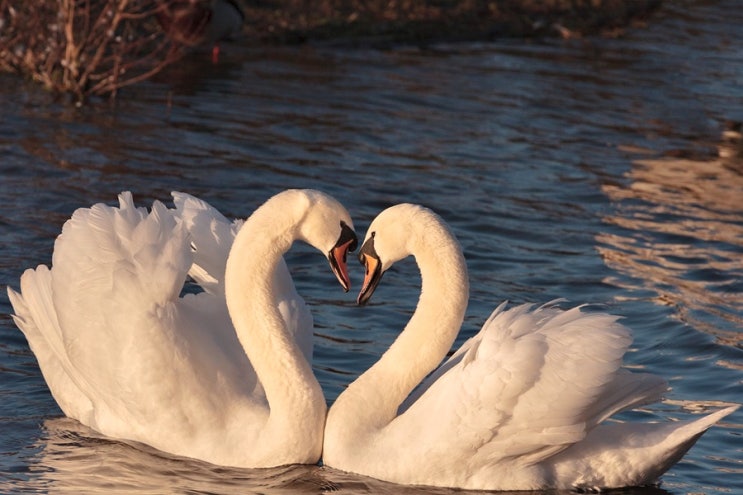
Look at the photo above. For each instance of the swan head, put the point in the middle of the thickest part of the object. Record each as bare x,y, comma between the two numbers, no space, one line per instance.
390,238
327,226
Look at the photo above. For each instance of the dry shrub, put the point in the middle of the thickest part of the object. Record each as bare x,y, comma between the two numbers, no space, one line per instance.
84,47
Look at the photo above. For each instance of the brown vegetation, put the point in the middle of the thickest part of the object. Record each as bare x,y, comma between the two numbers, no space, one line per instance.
83,47
94,47
381,22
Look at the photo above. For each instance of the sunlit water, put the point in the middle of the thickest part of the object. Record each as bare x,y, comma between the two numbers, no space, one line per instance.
584,169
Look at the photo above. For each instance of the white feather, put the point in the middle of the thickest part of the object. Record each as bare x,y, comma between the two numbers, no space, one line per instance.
125,354
518,407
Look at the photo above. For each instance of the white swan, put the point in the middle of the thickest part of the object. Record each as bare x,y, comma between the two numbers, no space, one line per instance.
124,354
517,407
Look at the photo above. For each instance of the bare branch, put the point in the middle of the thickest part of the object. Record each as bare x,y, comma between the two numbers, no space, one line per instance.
84,47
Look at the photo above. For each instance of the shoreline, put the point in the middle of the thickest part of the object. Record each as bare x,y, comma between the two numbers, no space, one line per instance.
86,52
383,23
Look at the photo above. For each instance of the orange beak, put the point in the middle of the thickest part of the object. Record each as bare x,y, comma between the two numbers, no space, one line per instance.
337,256
369,258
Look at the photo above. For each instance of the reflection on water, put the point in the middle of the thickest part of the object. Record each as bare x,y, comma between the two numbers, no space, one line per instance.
71,458
64,465
681,236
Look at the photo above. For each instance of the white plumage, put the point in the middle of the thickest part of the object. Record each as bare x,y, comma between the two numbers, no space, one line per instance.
125,354
517,407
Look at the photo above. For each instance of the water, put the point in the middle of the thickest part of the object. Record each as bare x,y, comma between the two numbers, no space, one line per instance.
585,169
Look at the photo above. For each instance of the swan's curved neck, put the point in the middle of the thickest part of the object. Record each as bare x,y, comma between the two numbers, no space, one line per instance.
290,386
427,337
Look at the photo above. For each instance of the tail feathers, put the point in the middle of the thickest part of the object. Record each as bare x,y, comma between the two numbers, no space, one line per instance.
629,454
34,310
627,390
36,318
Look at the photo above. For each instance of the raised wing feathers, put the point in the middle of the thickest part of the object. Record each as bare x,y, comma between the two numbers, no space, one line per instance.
529,384
123,269
211,236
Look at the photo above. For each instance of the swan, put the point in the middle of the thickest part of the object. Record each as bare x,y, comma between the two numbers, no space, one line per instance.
215,375
519,406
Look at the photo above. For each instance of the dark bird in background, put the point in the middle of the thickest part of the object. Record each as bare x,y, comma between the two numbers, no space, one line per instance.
200,22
